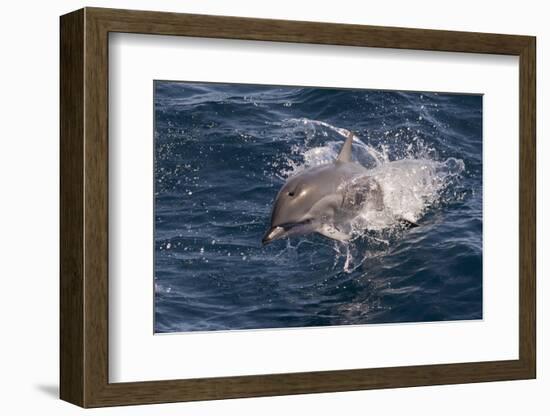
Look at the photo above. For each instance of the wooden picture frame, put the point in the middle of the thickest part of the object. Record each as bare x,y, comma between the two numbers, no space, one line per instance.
84,207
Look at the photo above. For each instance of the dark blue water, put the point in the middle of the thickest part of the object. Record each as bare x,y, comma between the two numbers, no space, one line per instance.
223,151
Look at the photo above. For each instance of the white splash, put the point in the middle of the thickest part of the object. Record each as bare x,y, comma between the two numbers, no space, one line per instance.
410,188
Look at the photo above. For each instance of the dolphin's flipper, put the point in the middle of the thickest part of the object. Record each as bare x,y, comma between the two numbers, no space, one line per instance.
333,233
408,223
345,152
363,192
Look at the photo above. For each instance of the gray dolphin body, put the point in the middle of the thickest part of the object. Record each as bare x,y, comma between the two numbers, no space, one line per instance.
324,199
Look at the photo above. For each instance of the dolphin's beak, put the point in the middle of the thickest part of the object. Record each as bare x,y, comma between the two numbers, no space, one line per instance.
272,234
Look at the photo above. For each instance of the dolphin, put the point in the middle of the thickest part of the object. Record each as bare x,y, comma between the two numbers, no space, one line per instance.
324,199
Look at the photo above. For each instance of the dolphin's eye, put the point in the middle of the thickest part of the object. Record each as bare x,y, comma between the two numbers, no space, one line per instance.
291,193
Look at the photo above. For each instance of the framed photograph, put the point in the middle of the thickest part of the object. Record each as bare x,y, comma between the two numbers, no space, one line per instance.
257,207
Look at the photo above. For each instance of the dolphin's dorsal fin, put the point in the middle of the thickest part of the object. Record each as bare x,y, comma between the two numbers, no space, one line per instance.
345,153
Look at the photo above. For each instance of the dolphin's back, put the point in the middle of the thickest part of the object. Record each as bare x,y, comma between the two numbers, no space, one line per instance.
323,180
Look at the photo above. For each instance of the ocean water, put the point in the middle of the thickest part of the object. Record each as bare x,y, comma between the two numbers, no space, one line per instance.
222,152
